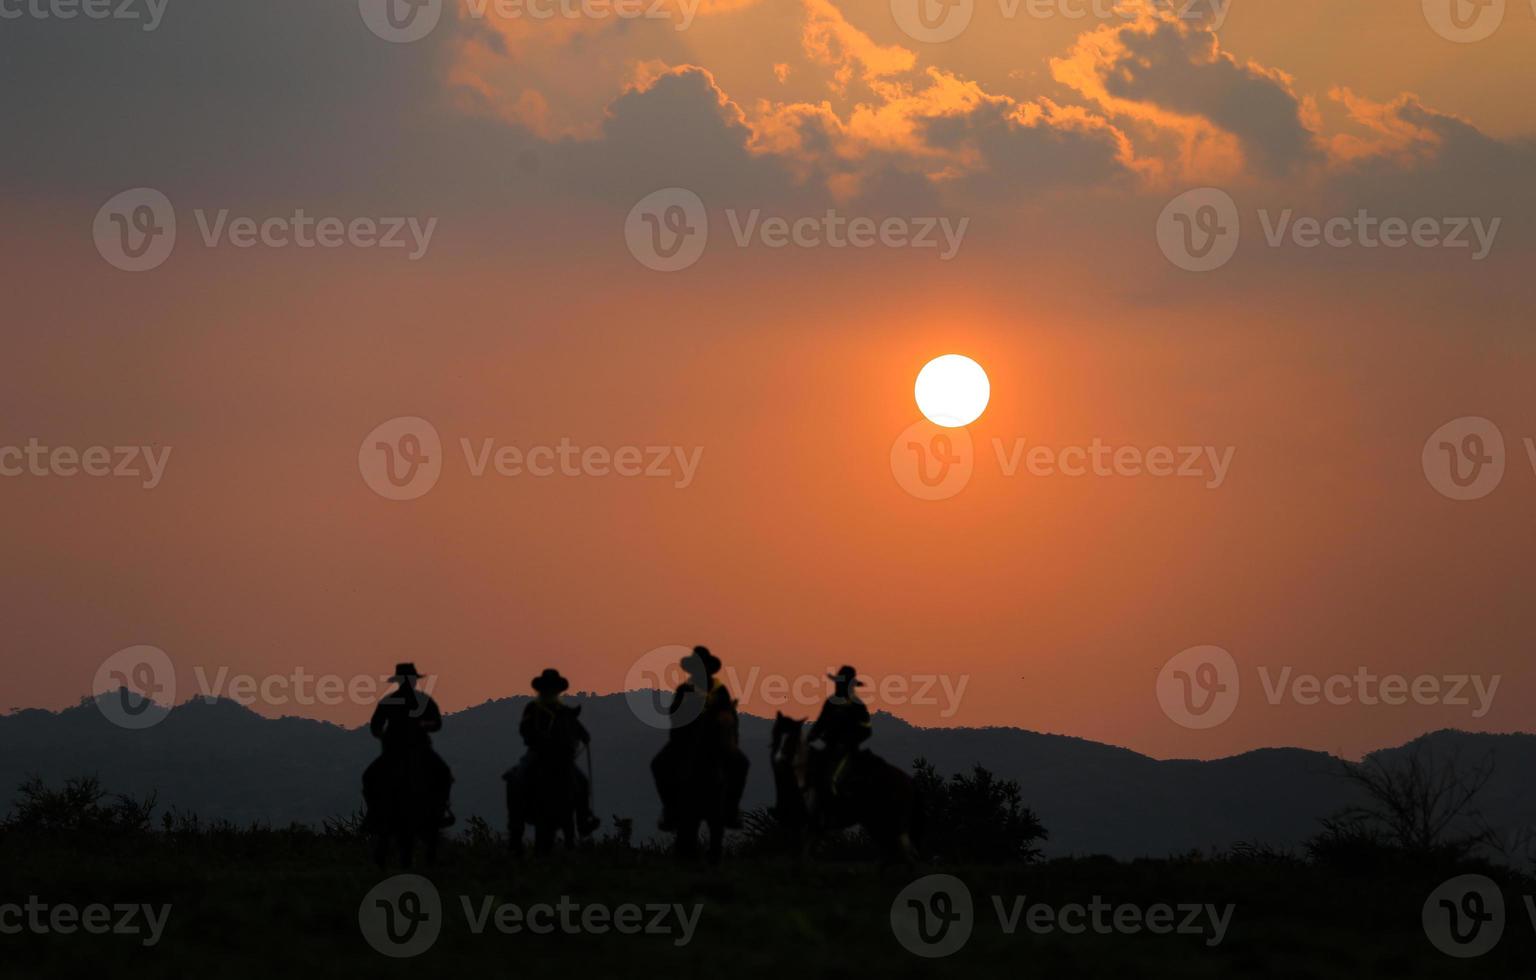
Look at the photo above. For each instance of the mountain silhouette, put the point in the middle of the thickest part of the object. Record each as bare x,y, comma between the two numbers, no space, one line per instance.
221,760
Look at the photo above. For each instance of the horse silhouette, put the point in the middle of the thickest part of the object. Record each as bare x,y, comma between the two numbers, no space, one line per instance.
406,788
407,808
873,794
545,790
702,797
541,794
700,772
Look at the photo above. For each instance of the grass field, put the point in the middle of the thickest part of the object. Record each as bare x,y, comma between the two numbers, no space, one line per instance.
251,902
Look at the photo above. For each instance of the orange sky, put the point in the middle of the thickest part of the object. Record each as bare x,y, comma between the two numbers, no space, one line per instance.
1054,600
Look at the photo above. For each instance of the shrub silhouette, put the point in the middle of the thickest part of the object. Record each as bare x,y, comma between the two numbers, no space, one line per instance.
81,809
1418,809
976,817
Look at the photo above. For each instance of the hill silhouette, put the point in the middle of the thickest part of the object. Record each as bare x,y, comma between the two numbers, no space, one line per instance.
221,760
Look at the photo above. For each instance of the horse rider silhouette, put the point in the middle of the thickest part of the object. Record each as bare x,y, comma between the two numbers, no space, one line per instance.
404,722
700,704
551,729
842,726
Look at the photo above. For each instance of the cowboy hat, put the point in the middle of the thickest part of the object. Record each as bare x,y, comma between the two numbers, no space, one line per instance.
846,676
403,671
550,682
701,657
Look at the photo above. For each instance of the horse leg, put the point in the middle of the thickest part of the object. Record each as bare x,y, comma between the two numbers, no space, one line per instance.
687,838
514,822
716,841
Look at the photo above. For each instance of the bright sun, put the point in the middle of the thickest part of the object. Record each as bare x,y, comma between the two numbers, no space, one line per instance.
952,390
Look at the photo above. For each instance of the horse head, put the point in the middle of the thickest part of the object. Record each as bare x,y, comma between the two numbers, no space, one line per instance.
787,739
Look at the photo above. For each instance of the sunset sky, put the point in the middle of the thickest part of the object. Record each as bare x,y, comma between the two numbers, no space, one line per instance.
794,547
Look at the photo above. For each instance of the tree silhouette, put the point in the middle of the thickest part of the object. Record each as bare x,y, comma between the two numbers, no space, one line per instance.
976,817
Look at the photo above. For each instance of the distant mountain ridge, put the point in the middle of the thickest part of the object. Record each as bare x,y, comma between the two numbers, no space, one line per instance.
224,761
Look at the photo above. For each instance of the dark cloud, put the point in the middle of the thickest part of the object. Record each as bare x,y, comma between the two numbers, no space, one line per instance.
1445,167
1021,158
678,132
1181,69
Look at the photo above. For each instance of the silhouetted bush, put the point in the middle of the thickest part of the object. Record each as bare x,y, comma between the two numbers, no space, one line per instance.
348,828
478,835
1418,810
81,808
1257,852
621,834
976,817
1347,843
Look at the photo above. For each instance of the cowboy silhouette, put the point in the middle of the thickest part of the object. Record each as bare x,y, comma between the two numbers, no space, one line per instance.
701,706
404,722
551,730
843,724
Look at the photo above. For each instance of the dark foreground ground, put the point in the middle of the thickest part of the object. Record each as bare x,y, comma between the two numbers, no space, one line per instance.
244,903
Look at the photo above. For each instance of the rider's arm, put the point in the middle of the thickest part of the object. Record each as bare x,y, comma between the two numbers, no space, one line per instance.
863,730
819,727
431,717
677,698
376,723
